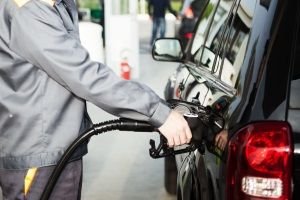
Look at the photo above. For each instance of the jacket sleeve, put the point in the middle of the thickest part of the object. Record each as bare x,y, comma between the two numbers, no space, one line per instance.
38,35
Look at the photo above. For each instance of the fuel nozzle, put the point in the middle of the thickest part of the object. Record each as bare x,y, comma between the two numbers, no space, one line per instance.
196,127
204,123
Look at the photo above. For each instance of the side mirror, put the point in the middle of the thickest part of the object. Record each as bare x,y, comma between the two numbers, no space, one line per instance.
167,49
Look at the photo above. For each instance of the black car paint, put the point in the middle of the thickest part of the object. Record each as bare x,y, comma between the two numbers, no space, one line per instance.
270,68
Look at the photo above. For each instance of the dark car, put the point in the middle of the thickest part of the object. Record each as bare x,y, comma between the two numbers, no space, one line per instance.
252,63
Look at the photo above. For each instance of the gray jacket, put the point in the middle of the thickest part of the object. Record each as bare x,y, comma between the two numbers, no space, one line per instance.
45,78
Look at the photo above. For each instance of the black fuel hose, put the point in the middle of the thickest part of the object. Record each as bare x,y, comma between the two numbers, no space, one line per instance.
121,124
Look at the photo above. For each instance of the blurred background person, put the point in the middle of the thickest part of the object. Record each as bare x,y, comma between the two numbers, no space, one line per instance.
157,11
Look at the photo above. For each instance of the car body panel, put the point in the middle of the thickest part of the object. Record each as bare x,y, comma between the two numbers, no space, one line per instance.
264,87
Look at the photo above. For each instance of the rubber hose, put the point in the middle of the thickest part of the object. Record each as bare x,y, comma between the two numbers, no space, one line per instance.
121,124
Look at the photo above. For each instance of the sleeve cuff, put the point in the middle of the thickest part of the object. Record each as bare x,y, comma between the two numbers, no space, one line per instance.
160,115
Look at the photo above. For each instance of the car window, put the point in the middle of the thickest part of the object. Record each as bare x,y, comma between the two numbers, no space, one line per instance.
234,50
203,23
227,41
219,19
220,54
236,36
214,16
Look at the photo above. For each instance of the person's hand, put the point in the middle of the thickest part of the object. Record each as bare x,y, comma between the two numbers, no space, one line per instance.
176,130
221,139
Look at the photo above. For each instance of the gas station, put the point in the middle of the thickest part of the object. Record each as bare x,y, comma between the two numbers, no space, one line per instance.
244,144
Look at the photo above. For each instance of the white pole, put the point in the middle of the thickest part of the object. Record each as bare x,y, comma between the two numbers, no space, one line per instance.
143,6
121,35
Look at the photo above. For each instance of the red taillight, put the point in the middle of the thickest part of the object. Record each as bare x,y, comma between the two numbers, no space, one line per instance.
188,35
260,162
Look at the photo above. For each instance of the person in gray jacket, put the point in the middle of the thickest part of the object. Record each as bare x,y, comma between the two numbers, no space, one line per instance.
46,77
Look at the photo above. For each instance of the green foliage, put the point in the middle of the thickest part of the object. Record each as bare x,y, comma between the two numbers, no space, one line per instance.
176,5
92,4
208,10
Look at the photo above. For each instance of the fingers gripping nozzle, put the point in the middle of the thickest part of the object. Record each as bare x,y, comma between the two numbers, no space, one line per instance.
204,124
